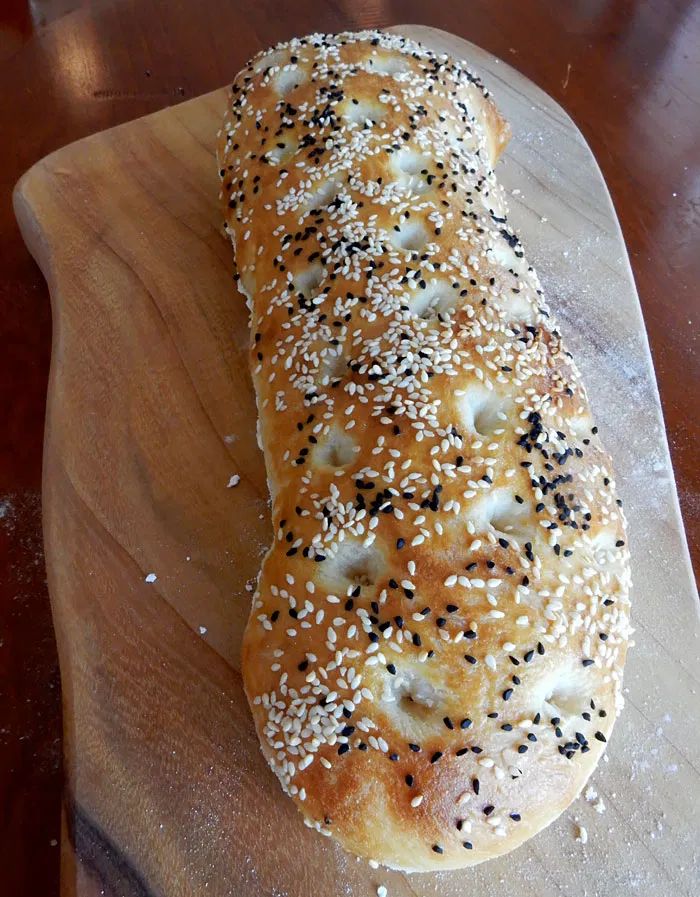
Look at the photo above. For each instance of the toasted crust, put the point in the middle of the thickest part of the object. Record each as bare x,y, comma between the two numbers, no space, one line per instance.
435,648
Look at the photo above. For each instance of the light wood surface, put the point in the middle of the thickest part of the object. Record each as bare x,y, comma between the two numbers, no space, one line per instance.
150,413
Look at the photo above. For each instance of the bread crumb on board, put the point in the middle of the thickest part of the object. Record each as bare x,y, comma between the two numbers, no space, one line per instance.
592,797
150,577
233,481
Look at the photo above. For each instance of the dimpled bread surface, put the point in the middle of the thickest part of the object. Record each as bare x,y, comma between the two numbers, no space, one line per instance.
435,648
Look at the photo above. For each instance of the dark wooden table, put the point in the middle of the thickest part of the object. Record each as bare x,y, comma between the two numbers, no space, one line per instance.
628,73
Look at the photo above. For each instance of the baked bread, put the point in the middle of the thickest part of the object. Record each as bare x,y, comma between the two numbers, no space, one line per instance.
434,653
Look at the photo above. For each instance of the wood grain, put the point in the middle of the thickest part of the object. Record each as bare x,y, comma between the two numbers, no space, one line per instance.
151,412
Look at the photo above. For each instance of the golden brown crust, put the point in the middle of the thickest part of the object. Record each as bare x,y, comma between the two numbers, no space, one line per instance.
434,653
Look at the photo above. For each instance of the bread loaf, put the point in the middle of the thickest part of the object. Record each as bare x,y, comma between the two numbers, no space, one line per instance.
435,648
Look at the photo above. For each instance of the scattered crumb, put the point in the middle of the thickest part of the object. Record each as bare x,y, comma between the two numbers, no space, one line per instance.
234,481
229,438
151,577
590,794
373,864
581,834
202,630
53,842
381,891
565,82
599,806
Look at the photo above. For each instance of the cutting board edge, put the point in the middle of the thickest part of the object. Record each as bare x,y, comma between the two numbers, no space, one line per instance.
29,224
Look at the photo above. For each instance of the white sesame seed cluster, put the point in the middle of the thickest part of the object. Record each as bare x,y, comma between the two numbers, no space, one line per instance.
435,647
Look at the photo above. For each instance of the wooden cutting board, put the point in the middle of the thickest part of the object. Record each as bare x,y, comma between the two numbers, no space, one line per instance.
151,412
